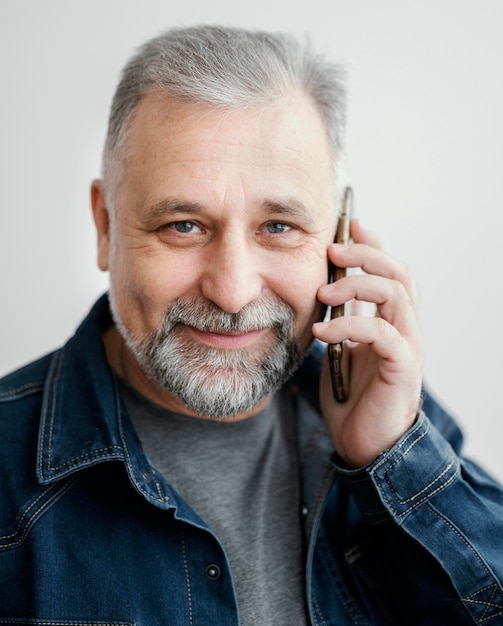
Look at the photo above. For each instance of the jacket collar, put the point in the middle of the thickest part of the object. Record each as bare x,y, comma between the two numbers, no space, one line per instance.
81,408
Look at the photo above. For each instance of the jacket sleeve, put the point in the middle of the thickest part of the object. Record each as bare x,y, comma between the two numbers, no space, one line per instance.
444,502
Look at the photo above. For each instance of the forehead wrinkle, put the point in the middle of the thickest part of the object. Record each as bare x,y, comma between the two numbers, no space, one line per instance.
237,158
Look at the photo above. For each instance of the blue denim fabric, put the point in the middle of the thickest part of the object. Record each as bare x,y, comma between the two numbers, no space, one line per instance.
90,533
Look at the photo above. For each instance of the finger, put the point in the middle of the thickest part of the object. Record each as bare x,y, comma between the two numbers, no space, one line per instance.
390,296
359,234
360,307
384,339
373,261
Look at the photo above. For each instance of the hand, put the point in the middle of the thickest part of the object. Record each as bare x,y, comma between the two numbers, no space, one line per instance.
386,351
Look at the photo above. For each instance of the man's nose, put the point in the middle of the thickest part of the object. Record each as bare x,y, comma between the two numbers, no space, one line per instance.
233,274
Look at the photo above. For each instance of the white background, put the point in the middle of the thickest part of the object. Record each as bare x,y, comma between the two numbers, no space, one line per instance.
425,159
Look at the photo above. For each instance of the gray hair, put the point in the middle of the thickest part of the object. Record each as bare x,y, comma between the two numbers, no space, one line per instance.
229,68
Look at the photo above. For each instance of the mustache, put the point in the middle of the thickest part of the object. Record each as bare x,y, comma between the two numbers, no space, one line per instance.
206,316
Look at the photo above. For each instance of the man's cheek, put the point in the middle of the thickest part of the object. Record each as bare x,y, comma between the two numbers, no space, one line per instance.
305,321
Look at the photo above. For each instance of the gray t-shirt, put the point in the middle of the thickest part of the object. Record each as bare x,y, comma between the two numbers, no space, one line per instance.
242,479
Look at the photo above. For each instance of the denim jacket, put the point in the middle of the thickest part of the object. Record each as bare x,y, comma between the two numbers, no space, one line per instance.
90,533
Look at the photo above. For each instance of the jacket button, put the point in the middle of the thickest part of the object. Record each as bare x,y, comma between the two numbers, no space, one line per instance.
213,572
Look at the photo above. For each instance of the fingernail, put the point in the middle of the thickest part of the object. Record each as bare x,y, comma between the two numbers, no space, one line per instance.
321,326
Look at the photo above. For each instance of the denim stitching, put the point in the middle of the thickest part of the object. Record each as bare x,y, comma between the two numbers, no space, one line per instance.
427,487
460,536
401,445
129,464
488,605
87,456
20,392
426,497
97,455
54,401
54,364
35,621
318,614
424,489
481,562
26,512
187,577
43,506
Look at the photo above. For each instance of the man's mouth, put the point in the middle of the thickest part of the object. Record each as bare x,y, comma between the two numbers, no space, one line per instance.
227,339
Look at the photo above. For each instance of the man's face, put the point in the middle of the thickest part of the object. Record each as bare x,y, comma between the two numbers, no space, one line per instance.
225,217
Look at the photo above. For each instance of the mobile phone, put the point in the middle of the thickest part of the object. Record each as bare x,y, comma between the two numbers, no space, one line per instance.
338,354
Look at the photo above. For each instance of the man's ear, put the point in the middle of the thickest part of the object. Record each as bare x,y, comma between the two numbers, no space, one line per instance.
102,221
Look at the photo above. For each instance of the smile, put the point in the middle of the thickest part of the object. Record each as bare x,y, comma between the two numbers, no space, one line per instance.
227,340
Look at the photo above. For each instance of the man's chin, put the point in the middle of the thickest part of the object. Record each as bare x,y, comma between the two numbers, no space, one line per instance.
219,392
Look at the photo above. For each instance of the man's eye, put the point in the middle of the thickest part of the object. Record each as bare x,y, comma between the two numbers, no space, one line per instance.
276,228
184,227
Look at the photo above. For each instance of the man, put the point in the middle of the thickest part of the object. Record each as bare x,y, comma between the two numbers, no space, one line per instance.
180,460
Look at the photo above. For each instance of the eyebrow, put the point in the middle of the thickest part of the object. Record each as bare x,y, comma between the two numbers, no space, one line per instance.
289,207
169,206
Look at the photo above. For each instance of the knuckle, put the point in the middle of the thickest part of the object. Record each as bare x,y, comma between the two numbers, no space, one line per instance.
399,290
